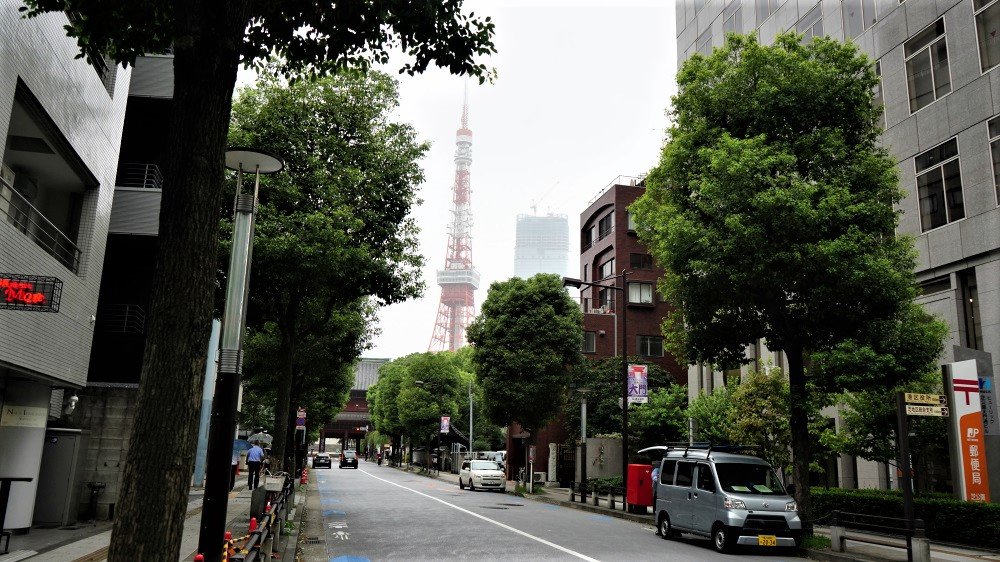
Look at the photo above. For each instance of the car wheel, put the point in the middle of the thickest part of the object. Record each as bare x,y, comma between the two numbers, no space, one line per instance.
663,527
472,487
461,485
721,539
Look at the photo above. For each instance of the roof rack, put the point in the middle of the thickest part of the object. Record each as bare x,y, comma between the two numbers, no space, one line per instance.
709,448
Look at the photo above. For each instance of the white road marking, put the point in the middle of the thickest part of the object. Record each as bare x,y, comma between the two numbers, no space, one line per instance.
484,518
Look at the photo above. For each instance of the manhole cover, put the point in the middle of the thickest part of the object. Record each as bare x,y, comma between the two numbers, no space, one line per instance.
492,507
512,504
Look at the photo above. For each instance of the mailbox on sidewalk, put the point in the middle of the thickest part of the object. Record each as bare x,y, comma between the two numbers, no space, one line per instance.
640,486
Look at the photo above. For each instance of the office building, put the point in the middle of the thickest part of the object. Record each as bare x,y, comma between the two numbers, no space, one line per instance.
541,246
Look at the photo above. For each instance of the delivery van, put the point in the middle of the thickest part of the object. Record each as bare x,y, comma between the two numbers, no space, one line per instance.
729,497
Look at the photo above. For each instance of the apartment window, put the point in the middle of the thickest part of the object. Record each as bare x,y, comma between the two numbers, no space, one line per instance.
590,342
650,346
630,220
606,298
936,285
994,127
811,24
927,74
704,43
939,186
988,29
970,308
608,268
589,237
586,272
732,16
605,225
859,15
641,293
764,9
640,261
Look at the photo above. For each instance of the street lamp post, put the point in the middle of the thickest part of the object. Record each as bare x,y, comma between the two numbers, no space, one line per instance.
583,443
571,282
227,384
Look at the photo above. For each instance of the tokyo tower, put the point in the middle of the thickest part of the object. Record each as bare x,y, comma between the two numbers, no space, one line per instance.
459,279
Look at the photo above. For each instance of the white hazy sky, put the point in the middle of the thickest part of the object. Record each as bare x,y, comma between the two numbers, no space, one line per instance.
580,98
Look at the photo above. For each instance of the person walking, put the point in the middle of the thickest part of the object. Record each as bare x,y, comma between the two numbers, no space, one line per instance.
232,474
255,456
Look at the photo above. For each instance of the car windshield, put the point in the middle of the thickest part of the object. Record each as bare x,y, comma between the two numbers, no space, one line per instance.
485,465
349,454
746,478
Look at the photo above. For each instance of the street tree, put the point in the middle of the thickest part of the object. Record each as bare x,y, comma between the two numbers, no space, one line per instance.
772,210
525,340
712,415
209,40
382,401
429,389
335,230
660,421
759,414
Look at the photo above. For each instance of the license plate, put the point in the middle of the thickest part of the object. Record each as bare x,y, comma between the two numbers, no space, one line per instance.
767,540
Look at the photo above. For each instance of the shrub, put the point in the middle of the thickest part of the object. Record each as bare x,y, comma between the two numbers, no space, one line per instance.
605,485
945,518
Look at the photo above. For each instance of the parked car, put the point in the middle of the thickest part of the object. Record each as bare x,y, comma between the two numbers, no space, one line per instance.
322,460
733,498
485,475
349,458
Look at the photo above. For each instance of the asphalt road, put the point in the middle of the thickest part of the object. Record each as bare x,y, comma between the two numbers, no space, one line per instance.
380,513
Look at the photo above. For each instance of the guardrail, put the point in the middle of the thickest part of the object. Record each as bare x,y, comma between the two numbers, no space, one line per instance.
142,175
260,541
883,525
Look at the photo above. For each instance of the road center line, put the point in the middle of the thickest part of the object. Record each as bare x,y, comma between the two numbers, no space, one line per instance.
484,518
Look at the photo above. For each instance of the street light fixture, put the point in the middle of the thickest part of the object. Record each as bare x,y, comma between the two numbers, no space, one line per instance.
227,383
623,289
583,443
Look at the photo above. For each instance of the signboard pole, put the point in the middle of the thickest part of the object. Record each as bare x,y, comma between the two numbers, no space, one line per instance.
903,438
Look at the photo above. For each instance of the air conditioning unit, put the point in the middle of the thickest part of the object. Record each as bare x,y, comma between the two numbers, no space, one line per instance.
7,175
538,477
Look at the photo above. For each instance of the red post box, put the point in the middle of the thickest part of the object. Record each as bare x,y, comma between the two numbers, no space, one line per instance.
640,485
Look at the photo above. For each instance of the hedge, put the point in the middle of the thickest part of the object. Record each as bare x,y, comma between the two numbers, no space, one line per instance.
605,485
945,518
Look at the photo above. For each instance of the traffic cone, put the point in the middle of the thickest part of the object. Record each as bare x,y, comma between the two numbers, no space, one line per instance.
199,558
267,508
253,524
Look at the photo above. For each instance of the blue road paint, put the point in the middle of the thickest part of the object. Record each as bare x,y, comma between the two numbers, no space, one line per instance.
599,517
328,502
333,513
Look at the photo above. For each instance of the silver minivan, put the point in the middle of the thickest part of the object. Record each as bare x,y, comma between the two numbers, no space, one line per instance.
735,499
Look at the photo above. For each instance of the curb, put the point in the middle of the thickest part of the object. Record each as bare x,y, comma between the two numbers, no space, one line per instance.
644,519
830,556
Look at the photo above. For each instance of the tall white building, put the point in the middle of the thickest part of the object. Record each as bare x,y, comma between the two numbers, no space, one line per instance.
61,121
542,245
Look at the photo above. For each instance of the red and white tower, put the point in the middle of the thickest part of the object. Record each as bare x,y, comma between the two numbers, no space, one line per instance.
459,279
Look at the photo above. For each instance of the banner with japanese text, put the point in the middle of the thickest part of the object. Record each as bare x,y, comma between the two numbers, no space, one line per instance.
968,441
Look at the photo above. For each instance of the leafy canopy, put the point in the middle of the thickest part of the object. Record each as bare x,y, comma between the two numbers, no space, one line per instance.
525,340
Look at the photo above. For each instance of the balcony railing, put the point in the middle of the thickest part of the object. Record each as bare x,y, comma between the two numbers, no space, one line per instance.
140,175
121,319
30,221
595,306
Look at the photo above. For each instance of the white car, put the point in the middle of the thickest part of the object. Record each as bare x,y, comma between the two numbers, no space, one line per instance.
484,475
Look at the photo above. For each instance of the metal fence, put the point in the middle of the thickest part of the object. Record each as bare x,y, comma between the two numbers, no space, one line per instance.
142,175
30,221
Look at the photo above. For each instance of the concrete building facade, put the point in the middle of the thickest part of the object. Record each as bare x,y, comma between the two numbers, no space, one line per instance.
940,90
541,245
61,121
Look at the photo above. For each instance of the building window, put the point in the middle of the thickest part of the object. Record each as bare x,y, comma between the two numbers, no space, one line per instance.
590,342
606,225
698,5
970,307
641,293
994,127
988,28
878,94
732,15
927,74
586,272
936,285
704,43
608,269
606,298
589,237
630,220
640,261
650,346
859,15
764,9
811,24
939,186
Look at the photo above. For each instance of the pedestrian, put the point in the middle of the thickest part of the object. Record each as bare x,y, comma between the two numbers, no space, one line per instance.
656,477
255,456
235,469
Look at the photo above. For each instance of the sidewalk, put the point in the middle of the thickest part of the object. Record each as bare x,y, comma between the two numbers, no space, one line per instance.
887,549
89,541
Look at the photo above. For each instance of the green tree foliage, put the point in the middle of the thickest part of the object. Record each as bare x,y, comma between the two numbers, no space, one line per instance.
759,414
660,421
772,210
334,230
712,414
421,406
525,340
209,41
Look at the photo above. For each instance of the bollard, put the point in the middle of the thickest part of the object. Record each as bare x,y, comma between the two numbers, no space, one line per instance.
572,491
595,497
611,501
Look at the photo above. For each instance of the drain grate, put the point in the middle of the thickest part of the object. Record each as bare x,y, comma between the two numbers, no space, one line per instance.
493,507
512,504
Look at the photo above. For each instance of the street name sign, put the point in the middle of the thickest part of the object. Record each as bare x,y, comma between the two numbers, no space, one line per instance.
921,398
921,410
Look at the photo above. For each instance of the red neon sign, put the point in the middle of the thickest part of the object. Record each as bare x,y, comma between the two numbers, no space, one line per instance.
29,292
21,291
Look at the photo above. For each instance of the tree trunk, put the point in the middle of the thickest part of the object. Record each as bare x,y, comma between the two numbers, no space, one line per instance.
288,326
154,494
799,420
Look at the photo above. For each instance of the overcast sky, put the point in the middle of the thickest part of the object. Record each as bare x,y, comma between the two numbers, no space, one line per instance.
580,98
